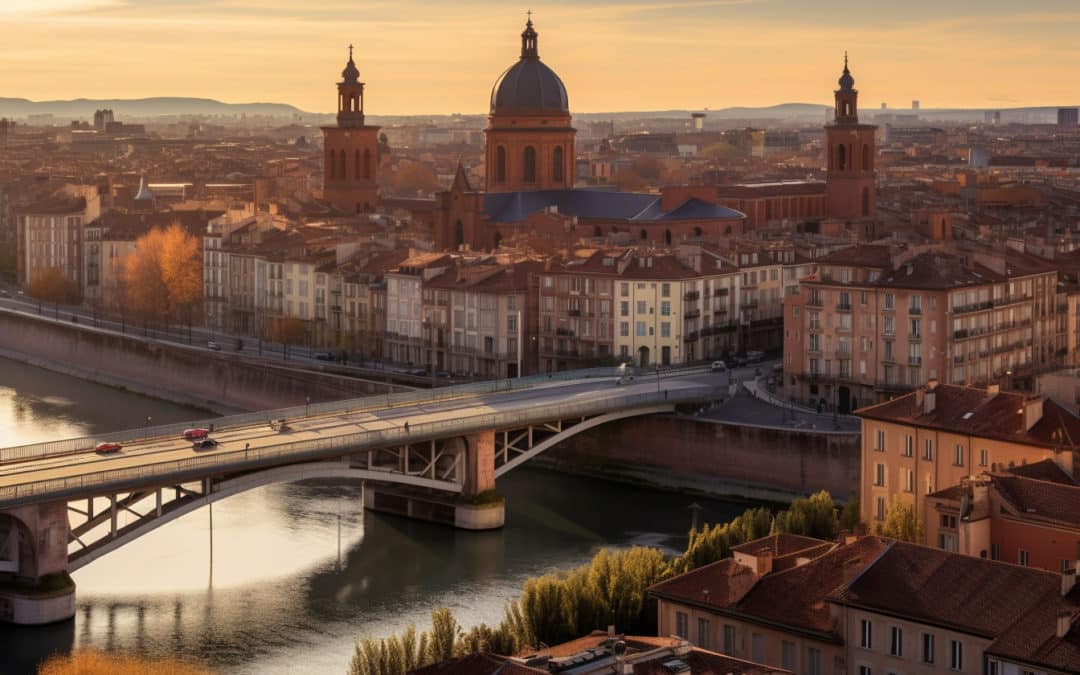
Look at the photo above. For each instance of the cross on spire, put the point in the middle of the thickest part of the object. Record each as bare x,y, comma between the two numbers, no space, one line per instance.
845,60
350,52
528,13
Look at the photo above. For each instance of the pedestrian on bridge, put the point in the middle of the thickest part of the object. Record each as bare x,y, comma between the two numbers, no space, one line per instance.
406,426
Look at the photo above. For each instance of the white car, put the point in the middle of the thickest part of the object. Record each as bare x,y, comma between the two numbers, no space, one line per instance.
718,367
210,344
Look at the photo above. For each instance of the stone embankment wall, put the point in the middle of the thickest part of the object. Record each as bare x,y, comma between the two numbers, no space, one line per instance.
715,458
223,382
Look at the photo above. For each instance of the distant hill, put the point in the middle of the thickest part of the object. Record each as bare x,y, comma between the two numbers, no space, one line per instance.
83,108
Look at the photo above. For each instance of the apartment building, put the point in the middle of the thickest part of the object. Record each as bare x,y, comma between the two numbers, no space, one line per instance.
874,606
1027,515
874,322
405,335
50,233
938,435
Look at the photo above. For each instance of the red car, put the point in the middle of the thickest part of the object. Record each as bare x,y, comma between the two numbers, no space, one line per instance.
195,434
107,448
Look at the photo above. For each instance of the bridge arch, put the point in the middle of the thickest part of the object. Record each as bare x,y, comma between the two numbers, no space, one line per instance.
18,555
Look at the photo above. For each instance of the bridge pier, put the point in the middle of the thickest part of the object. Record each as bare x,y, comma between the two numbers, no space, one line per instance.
478,507
34,584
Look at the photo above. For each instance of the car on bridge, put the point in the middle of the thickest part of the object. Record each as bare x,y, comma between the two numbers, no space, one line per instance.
204,444
195,434
107,448
210,344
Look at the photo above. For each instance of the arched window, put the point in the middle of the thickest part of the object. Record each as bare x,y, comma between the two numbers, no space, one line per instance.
367,164
866,202
500,165
841,161
698,231
341,166
356,163
667,237
330,164
866,157
644,235
529,173
459,234
557,165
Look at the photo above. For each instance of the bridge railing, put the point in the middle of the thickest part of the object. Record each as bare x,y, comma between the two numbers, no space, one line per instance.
217,462
353,405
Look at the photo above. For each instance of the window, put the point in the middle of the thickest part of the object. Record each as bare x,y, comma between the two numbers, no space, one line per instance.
984,457
813,661
959,455
896,641
682,625
665,290
928,449
947,542
909,445
640,306
557,165
703,633
729,640
1025,558
866,634
665,308
665,329
909,482
865,670
757,641
624,308
956,655
879,475
639,328
624,329
529,173
787,655
890,301
927,648
879,510
880,441
995,552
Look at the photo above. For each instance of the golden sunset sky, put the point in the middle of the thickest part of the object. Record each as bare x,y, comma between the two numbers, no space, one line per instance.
443,57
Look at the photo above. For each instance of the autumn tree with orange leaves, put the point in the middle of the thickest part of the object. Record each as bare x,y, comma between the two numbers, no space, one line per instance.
163,276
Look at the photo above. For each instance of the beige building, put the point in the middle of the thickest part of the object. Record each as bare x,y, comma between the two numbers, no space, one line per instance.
51,233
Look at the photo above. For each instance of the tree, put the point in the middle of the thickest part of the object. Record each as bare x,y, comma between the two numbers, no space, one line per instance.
813,517
901,522
50,285
627,180
163,276
413,178
850,519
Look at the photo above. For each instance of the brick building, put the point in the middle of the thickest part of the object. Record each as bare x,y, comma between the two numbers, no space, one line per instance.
351,149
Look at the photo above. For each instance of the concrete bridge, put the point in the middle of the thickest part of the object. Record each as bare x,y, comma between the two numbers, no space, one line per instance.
62,505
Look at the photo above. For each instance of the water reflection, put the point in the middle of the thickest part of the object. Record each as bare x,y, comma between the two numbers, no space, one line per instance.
278,597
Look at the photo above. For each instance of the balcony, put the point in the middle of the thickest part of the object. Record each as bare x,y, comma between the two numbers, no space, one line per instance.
720,310
691,296
573,312
814,302
843,307
914,360
914,311
1010,300
692,336
974,307
565,332
692,314
748,304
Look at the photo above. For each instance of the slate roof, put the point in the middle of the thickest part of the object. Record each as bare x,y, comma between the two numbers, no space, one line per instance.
514,207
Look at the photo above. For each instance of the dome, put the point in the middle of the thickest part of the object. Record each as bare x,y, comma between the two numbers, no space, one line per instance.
529,84
847,82
351,75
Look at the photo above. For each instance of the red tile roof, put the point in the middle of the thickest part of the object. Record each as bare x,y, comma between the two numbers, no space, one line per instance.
778,545
991,416
1047,470
1040,500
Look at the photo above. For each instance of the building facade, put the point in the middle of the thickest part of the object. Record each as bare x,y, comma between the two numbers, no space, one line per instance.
351,149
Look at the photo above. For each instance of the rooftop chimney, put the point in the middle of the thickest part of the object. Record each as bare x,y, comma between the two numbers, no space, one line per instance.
1064,624
1068,580
1033,412
929,401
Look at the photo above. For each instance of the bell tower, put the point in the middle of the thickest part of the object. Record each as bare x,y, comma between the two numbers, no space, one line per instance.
850,189
351,149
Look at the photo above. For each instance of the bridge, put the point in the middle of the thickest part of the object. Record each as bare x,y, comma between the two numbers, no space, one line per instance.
62,505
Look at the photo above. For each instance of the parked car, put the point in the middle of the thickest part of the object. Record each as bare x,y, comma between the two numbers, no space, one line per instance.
4,293
210,344
107,448
204,443
755,356
324,356
718,367
195,434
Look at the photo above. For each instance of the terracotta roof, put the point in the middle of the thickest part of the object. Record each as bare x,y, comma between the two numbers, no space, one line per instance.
860,256
976,412
778,545
936,270
719,584
958,592
1040,500
1033,638
478,664
1047,470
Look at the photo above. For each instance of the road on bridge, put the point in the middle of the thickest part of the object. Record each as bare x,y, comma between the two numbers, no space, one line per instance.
252,438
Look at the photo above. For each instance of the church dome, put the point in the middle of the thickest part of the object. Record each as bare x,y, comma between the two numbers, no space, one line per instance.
847,82
529,85
351,74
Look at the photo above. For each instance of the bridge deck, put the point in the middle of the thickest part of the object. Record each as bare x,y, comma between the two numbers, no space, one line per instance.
162,460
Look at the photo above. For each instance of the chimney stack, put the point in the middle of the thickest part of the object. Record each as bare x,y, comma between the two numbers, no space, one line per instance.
1064,624
1033,412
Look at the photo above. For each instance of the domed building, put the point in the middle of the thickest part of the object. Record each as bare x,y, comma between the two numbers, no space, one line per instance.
530,142
529,179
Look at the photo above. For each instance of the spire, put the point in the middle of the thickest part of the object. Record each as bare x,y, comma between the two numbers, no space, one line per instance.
351,75
528,39
847,82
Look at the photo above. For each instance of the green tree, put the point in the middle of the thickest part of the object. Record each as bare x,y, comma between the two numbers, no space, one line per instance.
811,517
850,518
902,523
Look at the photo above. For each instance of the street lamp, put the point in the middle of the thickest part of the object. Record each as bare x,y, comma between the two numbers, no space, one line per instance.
307,406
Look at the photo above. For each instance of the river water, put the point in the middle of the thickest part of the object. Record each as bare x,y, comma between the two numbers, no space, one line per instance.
295,573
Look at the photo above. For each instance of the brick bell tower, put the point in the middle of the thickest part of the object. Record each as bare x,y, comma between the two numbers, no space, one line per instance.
351,156
530,138
850,190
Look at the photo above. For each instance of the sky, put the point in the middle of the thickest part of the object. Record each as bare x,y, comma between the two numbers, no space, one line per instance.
441,57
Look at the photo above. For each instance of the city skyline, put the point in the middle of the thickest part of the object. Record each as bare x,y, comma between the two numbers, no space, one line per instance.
422,59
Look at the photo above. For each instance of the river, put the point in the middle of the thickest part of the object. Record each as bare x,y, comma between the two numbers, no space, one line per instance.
297,572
